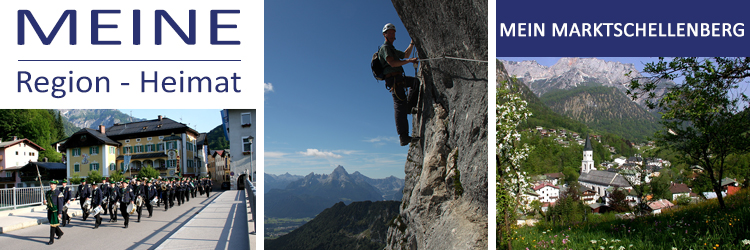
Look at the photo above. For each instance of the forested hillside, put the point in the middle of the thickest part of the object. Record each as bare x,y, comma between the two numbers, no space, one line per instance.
41,126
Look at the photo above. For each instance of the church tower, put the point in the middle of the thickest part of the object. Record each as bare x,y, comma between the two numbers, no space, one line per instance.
588,157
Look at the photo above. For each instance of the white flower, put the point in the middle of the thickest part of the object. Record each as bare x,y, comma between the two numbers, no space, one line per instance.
746,242
621,248
593,241
674,248
601,247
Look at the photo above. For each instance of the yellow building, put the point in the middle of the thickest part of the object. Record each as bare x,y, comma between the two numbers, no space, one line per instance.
163,144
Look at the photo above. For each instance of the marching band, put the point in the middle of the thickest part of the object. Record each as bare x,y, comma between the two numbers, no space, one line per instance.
129,195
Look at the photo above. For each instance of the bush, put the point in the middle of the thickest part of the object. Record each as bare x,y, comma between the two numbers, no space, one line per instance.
94,177
115,176
75,179
148,172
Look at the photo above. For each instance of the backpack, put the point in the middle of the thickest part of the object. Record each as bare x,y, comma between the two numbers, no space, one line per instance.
377,67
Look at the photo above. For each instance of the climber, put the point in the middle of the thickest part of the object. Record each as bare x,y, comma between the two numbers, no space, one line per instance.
397,82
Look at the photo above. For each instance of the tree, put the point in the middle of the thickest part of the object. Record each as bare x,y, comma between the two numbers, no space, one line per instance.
75,179
148,172
704,117
115,176
512,181
618,201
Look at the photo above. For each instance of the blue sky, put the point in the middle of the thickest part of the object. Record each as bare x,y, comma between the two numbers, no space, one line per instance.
323,108
202,120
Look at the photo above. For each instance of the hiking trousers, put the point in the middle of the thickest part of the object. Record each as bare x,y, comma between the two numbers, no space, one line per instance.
403,102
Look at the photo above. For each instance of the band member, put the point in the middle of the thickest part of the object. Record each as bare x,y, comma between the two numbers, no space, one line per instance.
54,199
195,187
159,191
150,195
66,198
172,190
165,194
188,190
209,186
113,191
84,193
139,192
96,202
105,195
126,197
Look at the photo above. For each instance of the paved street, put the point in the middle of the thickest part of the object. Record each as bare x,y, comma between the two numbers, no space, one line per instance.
150,233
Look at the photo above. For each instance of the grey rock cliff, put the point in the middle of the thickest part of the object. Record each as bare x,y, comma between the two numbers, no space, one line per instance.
452,155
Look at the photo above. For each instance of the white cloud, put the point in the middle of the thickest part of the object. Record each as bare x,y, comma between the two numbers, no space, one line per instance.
267,87
346,152
274,154
318,153
382,139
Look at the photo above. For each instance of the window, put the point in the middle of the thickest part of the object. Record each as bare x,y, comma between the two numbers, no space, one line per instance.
94,166
16,152
247,142
127,140
161,137
76,167
246,119
8,174
76,152
149,138
160,147
94,150
149,147
122,165
112,166
138,149
138,140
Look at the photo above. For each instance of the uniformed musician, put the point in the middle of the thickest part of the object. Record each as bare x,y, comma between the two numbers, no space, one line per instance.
105,194
84,192
96,202
54,199
126,197
112,206
150,195
66,198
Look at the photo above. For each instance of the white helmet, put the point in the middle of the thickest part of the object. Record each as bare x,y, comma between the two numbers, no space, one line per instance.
389,26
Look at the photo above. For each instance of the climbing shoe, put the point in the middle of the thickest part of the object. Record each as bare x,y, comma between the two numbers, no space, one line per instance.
408,139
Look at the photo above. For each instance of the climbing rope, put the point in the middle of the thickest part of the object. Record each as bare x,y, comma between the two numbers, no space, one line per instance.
417,74
453,58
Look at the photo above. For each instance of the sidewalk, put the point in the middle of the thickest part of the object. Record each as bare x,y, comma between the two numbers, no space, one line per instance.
31,216
223,224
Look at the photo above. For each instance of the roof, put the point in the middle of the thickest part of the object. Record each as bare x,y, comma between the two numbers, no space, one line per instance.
201,139
7,144
544,184
712,195
143,156
77,139
147,126
660,204
604,178
727,181
584,189
50,165
588,147
555,175
597,205
679,188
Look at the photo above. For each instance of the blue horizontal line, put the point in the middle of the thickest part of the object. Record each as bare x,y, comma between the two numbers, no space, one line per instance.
136,60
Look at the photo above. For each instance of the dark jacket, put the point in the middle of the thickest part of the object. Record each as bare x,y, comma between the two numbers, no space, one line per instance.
66,193
126,195
151,193
96,197
112,193
84,191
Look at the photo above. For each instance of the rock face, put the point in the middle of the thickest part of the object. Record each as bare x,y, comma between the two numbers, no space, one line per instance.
445,193
569,73
92,118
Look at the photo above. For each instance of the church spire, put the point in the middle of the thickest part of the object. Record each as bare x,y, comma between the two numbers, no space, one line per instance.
588,147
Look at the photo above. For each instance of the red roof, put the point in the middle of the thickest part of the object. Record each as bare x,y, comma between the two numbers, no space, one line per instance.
544,184
660,204
732,190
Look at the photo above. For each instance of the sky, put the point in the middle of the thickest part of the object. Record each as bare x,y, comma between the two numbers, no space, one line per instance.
323,108
202,120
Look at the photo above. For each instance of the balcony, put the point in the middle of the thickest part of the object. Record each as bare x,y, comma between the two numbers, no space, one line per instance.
7,179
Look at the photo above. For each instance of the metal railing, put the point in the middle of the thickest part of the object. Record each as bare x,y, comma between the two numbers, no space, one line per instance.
27,196
250,190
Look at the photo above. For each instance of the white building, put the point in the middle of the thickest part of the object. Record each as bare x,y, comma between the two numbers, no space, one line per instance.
14,155
239,129
547,192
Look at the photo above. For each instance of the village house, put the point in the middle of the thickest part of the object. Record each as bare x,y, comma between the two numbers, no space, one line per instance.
547,192
15,154
588,195
679,189
657,207
555,178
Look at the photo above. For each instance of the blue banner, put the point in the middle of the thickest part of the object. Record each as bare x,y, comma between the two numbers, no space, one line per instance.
622,28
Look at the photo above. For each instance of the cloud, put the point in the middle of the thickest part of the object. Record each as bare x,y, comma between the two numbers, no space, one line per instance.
346,152
274,154
318,153
267,87
382,139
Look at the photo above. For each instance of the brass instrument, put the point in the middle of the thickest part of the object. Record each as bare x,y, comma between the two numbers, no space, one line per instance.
163,187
